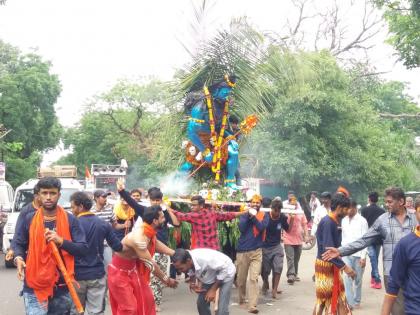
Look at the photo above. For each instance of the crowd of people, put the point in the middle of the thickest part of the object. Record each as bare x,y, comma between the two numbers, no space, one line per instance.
122,251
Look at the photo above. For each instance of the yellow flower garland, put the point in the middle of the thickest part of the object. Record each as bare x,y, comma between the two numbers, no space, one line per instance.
218,152
211,117
217,157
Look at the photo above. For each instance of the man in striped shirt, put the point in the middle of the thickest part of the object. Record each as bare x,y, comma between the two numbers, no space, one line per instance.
405,272
103,210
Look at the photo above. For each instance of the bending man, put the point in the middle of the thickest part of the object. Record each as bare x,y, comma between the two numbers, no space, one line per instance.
214,270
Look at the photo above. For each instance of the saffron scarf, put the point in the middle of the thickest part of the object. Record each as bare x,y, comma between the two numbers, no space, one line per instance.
150,233
417,231
41,268
259,216
123,214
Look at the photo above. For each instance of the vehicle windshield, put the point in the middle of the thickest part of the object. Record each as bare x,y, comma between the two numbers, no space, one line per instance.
106,183
26,196
5,198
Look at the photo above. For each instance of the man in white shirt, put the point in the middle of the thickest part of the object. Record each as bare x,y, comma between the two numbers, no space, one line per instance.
213,270
314,203
321,211
354,226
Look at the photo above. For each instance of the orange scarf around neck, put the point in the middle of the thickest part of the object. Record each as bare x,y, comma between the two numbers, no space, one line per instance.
41,269
150,233
332,216
259,216
417,230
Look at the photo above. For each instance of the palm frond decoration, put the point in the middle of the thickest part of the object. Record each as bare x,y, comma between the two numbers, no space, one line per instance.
239,51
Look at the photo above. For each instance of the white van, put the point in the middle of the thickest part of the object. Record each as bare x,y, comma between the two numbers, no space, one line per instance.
6,204
6,196
24,195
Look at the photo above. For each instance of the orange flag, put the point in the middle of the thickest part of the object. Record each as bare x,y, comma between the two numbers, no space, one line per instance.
87,173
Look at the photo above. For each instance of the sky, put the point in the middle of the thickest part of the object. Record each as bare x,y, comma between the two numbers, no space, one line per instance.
91,44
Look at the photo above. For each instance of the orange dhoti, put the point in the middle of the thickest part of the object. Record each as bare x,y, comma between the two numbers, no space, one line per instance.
129,293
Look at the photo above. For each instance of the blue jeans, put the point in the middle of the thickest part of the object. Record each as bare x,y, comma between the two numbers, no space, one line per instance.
57,305
353,287
225,289
373,252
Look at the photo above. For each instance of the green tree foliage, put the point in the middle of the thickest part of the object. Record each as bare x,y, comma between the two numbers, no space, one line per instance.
323,132
320,125
120,123
385,97
28,94
404,24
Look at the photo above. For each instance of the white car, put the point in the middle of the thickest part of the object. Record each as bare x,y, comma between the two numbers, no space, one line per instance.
6,204
24,195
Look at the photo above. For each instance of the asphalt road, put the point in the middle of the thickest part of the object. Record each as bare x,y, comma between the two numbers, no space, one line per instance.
298,299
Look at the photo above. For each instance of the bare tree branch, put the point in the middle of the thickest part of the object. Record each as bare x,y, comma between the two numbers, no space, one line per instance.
301,6
334,26
134,130
110,114
295,36
367,32
400,116
136,125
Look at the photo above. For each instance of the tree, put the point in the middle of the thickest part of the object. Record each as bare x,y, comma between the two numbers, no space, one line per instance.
319,134
28,93
331,29
404,25
120,123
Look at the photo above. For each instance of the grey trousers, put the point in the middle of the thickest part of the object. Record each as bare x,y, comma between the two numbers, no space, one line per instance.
272,260
91,294
225,289
107,256
398,307
293,253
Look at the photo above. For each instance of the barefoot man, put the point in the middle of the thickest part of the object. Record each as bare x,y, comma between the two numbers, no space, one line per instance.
129,271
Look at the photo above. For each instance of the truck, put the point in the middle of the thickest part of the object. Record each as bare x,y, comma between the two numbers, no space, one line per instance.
24,195
105,176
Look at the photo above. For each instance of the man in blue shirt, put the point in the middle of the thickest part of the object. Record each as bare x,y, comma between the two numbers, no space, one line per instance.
249,253
330,294
405,272
273,253
44,289
90,269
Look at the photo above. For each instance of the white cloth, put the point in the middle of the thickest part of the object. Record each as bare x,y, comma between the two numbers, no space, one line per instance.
210,264
139,220
138,223
292,209
313,204
319,213
352,230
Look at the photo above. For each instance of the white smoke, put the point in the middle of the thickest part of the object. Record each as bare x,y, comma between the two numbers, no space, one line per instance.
176,184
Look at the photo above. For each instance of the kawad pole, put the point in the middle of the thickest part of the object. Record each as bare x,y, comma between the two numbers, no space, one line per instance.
66,276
